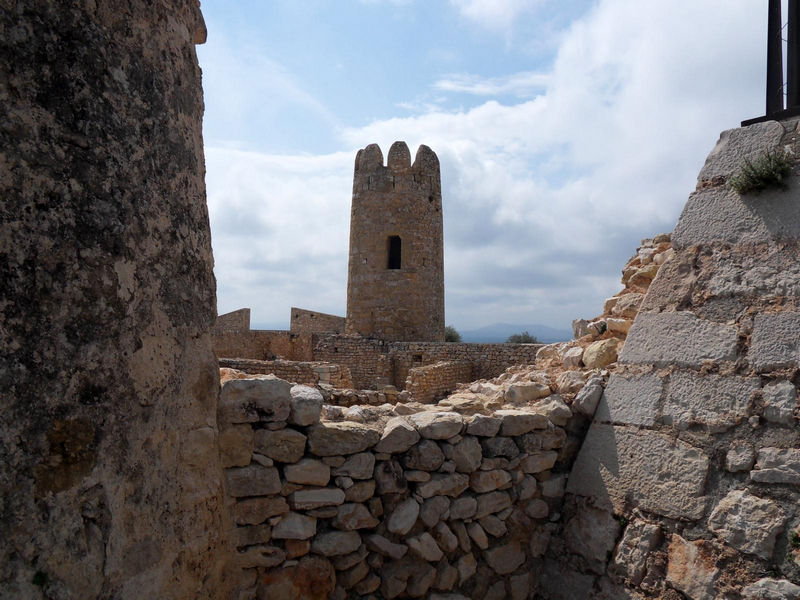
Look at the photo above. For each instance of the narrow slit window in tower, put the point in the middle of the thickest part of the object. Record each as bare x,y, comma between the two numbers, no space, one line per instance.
395,252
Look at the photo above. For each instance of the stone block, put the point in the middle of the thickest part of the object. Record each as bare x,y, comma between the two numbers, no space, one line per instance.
357,466
678,338
384,547
462,508
735,146
306,405
352,515
483,426
780,402
747,522
398,436
425,456
333,438
630,559
260,398
492,502
627,305
554,408
777,465
558,581
631,400
740,457
403,517
526,391
236,445
467,454
721,215
538,461
621,467
308,471
517,422
592,533
336,543
295,526
586,400
488,481
284,445
437,425
444,485
310,498
714,401
691,568
257,510
425,547
505,559
499,447
601,353
771,589
775,342
253,480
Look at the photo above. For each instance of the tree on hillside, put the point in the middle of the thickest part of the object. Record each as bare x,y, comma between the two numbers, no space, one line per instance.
451,335
522,338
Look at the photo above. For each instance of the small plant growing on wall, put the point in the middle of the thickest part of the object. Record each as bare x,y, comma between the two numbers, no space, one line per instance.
767,171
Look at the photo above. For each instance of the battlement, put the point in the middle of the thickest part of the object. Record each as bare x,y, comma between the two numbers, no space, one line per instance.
399,160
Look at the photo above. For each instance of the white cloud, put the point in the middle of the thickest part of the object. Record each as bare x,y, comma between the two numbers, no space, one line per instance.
497,15
544,199
524,84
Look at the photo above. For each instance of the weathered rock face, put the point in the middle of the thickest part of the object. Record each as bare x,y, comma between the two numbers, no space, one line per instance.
109,476
695,437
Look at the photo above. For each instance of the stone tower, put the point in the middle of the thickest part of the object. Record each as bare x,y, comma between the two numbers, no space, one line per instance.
395,283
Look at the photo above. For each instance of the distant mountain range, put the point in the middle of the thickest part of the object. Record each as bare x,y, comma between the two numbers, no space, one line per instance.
499,332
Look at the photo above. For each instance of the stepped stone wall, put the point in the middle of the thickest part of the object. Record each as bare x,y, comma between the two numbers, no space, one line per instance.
110,481
263,344
694,446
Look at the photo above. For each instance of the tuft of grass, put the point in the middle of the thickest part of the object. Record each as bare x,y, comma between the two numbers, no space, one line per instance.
767,171
794,539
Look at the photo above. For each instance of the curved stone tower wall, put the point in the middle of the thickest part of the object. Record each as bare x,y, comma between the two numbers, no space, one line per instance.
403,200
110,483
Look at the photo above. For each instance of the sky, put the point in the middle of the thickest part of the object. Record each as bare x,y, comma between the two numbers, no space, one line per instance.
567,131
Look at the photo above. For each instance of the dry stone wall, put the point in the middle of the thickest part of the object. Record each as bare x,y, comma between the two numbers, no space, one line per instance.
687,483
263,344
310,373
433,382
375,363
110,483
432,504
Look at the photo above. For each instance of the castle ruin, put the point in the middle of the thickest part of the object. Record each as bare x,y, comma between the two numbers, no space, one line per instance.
655,456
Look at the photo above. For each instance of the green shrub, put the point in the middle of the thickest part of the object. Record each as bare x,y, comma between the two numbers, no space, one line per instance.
522,338
769,170
451,335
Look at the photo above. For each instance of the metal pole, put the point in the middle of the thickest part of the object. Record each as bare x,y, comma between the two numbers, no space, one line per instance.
793,55
774,59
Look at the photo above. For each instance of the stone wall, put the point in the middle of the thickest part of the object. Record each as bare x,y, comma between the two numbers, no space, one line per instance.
310,373
232,322
374,363
403,201
688,482
401,506
110,483
433,382
308,321
263,344
367,359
